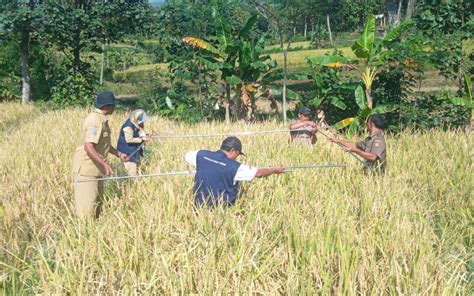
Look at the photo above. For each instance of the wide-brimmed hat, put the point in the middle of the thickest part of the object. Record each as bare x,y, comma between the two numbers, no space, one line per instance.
105,98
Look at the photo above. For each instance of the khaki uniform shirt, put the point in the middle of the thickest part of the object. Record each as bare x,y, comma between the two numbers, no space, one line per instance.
375,144
95,129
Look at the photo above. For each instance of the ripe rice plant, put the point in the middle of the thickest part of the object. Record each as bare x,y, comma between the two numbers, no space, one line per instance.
327,231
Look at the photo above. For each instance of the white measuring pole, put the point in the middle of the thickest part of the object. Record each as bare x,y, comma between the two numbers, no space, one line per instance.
287,170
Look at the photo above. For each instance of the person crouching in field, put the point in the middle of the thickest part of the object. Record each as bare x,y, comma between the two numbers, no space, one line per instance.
218,173
373,148
132,138
303,130
90,156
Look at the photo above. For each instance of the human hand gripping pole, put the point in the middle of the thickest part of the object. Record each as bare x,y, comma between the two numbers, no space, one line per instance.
331,139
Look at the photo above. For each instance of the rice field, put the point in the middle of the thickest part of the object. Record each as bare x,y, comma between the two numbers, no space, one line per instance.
327,231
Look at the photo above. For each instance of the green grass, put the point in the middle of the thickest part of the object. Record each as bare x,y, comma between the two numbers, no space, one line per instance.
298,58
136,73
332,231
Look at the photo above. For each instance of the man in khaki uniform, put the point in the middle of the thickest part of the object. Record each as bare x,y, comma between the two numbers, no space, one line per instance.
90,156
373,148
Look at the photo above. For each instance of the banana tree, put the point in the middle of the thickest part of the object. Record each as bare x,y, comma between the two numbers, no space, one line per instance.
371,56
466,100
239,60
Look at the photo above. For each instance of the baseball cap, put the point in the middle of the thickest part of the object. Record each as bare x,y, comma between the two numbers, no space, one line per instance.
305,110
105,98
232,143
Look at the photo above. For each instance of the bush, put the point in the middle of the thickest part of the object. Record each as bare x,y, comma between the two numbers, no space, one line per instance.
176,104
73,89
319,37
429,112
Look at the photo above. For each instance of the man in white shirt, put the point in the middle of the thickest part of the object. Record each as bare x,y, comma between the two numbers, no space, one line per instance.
218,173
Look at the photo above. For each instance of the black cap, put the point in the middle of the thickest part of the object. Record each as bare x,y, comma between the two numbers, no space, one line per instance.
232,143
305,111
105,98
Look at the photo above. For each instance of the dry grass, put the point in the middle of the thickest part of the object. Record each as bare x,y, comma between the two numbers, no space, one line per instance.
311,231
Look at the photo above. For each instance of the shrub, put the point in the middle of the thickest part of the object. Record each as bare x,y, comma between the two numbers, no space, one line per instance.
73,89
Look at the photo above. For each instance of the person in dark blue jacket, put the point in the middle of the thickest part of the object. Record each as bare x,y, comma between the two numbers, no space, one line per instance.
218,173
132,138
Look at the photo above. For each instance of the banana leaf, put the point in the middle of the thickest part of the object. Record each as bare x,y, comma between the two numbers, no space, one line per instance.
382,109
327,60
277,92
344,123
354,125
363,46
395,32
338,103
468,86
360,97
202,44
244,32
233,80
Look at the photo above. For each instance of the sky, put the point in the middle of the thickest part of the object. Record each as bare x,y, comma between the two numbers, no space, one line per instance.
156,2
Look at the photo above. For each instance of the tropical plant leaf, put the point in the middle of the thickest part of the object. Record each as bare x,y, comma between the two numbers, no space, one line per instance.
468,86
382,109
363,46
169,103
210,62
349,86
460,101
360,97
292,95
395,32
244,32
328,60
344,123
233,80
338,103
354,125
223,30
277,92
364,114
315,102
202,44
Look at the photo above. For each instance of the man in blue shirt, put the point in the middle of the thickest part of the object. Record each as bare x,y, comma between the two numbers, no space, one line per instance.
218,173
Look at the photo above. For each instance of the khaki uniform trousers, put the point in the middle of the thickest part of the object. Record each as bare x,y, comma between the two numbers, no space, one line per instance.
88,196
131,167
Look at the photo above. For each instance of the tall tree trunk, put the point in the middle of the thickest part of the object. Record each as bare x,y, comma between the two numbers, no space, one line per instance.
410,9
329,29
368,95
76,51
102,63
399,10
305,26
25,70
227,103
285,82
393,9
